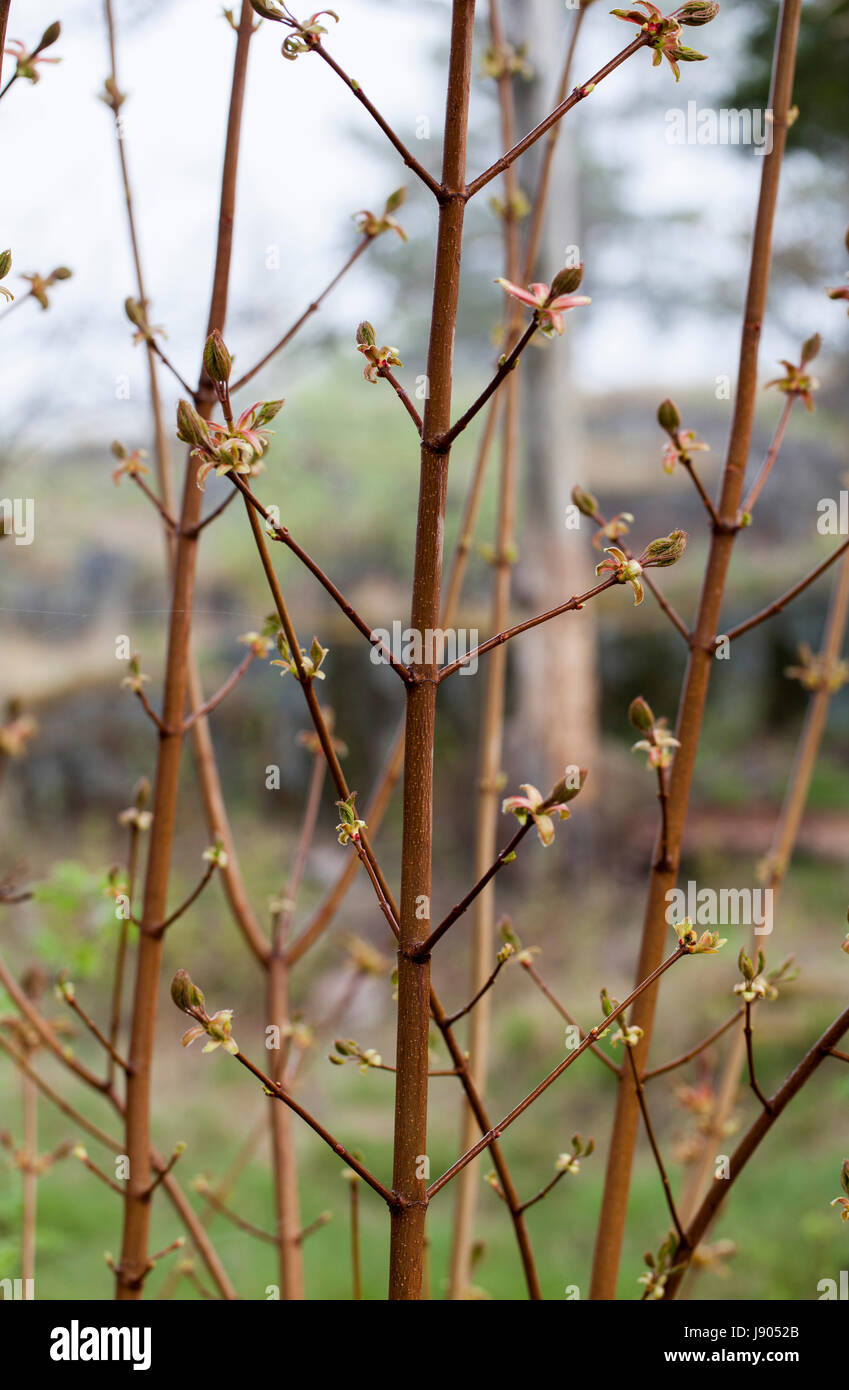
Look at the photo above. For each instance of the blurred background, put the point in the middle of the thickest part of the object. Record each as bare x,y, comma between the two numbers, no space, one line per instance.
663,230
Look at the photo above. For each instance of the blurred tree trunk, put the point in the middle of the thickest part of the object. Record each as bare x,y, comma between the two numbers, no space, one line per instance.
557,720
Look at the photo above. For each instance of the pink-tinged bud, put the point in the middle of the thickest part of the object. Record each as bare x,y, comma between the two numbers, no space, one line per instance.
191,427
845,945
585,502
666,550
697,12
49,36
668,417
185,993
365,335
566,281
216,359
640,715
810,349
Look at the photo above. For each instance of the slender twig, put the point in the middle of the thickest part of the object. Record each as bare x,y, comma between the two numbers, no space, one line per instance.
553,1075
748,1145
409,159
692,703
487,985
221,1209
572,605
772,454
213,515
750,1057
277,1093
308,312
160,929
444,441
661,1168
281,533
152,497
92,1167
163,1172
70,999
694,1051
505,857
214,700
151,712
544,1191
689,468
780,603
835,1052
566,1016
663,802
402,396
572,100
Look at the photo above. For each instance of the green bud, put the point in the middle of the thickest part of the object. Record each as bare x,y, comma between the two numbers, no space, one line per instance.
216,359
5,263
394,201
191,427
844,1176
118,450
134,312
267,411
584,501
668,417
566,281
61,273
697,12
640,715
185,993
810,349
666,550
141,793
365,334
570,785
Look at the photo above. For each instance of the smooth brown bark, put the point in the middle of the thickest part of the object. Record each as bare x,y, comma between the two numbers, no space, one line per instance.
691,710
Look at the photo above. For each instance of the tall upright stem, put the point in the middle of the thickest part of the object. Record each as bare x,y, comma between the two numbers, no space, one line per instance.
133,1265
492,717
691,709
410,1154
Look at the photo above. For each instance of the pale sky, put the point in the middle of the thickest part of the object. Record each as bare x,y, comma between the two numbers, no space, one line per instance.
302,172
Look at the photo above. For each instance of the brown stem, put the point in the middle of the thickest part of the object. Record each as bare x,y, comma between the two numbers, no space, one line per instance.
443,442
204,754
133,1263
406,1250
700,489
29,1176
356,1269
152,497
121,955
694,694
485,987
